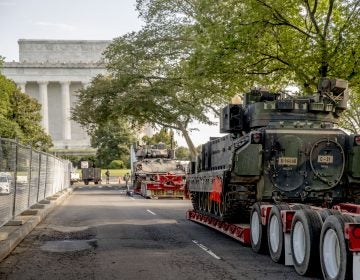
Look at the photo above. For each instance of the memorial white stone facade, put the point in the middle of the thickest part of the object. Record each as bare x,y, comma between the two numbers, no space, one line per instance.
52,71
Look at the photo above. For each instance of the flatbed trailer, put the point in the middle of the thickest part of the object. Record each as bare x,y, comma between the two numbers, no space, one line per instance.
163,186
338,244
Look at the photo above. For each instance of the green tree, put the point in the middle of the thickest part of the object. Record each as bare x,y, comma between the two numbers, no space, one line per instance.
239,44
182,153
272,41
112,140
164,136
20,116
25,112
148,81
350,119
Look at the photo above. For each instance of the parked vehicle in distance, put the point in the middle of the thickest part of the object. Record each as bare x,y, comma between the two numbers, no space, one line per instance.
5,183
90,173
74,177
156,173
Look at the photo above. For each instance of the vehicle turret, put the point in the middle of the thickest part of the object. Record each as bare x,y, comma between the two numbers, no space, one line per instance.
262,108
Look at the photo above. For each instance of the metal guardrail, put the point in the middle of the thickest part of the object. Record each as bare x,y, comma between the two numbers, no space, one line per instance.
28,176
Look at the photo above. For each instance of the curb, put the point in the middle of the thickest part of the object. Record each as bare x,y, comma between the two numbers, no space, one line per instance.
16,230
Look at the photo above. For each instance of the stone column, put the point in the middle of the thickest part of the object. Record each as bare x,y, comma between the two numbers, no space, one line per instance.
22,86
65,97
44,104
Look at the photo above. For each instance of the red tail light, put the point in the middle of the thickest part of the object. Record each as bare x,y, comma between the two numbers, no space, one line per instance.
287,217
357,140
352,233
356,233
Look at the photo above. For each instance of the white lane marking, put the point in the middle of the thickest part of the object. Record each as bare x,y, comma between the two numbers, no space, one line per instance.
207,250
132,198
151,212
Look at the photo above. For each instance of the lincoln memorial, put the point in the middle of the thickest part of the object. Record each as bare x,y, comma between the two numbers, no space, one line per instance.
52,71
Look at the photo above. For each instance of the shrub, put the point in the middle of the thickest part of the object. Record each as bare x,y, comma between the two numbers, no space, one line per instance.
117,164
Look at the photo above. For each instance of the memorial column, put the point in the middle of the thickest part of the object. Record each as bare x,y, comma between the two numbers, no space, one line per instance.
65,97
44,104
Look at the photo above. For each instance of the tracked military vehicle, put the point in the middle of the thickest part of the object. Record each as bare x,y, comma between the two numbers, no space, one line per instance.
279,148
156,174
289,176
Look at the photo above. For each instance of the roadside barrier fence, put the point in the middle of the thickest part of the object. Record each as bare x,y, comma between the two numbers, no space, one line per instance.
28,176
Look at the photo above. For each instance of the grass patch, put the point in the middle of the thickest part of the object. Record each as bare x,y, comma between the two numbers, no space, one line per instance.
115,172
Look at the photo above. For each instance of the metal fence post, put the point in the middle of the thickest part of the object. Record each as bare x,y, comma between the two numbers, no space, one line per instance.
46,175
15,175
29,177
39,180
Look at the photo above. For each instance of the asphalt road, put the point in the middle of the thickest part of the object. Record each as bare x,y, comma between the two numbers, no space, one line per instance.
100,233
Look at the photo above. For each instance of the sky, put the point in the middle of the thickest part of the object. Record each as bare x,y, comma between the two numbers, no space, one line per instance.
74,20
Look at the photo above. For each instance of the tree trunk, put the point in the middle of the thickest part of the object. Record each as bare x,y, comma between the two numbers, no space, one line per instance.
189,142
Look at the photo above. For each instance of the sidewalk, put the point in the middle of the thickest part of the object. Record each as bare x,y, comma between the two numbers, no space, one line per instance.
12,233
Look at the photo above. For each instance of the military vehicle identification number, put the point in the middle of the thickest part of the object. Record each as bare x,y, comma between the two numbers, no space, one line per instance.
325,159
287,161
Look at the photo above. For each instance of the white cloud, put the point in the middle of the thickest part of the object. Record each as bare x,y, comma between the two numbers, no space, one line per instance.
61,26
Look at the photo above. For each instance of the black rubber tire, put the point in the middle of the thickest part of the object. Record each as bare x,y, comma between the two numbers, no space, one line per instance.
259,244
86,182
300,206
336,223
278,254
311,224
328,212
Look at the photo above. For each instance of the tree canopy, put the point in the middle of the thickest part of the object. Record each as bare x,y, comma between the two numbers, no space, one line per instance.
276,42
191,56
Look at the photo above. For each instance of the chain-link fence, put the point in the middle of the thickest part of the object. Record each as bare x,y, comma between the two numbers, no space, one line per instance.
28,176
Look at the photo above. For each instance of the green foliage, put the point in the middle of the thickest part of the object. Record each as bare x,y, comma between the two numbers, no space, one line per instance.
275,42
113,140
163,136
182,153
192,56
240,44
20,117
350,118
117,164
148,81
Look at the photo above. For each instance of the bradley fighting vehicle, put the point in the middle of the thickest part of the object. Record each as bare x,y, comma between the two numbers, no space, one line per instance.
279,148
155,172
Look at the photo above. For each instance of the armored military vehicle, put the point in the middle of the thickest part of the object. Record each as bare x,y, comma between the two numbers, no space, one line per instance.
156,174
284,167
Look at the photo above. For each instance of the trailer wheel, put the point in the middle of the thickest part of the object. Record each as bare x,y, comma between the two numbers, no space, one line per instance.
86,182
336,260
275,235
300,206
328,212
257,230
304,240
